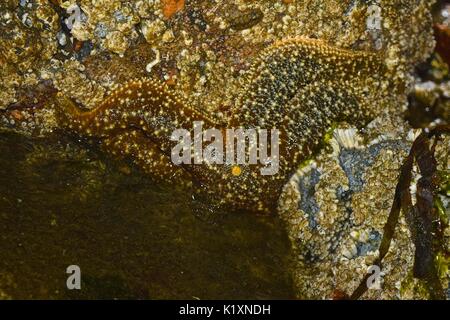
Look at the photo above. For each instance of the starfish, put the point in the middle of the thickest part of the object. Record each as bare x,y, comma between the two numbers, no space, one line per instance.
299,86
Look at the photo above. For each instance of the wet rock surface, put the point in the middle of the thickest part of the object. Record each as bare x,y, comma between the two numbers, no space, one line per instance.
334,209
62,204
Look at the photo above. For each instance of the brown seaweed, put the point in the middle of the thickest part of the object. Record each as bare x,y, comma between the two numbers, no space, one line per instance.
423,217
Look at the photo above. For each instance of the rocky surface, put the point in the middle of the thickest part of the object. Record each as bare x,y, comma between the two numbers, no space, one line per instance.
336,206
202,48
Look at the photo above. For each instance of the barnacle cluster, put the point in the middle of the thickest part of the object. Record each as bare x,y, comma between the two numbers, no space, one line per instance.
336,208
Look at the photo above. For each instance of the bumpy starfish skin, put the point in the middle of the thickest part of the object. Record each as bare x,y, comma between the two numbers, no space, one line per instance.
145,154
298,86
301,86
136,121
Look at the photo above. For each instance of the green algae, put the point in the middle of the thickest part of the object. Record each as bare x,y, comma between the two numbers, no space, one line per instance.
63,204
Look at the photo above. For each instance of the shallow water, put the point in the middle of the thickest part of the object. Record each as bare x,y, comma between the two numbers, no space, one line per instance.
62,204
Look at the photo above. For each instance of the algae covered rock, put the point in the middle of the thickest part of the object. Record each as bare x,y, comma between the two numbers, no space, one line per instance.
335,208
